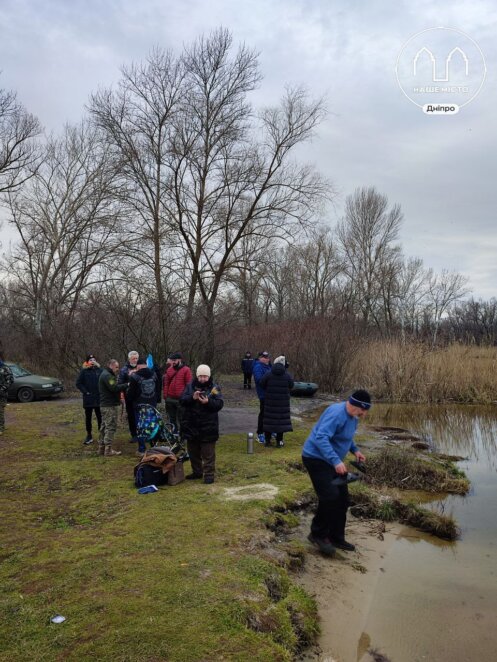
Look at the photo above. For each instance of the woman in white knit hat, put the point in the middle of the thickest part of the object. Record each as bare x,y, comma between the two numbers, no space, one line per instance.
201,402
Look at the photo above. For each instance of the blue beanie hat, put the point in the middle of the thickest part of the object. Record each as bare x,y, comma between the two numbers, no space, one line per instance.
360,399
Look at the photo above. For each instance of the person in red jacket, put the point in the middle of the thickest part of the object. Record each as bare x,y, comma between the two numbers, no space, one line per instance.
176,378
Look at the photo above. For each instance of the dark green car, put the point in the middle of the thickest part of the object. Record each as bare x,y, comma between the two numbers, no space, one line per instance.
27,387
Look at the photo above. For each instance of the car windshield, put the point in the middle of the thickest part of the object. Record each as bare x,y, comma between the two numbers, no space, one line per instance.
17,371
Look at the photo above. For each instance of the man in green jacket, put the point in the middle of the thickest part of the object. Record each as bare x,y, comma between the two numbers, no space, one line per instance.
109,391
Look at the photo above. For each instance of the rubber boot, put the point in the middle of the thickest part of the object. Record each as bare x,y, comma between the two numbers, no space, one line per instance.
101,449
110,453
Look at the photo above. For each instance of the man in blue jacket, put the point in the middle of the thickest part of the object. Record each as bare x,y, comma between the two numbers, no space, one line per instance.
323,454
261,366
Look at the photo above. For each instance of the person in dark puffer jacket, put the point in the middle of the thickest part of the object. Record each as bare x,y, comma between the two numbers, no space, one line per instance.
142,391
138,393
200,402
277,385
87,383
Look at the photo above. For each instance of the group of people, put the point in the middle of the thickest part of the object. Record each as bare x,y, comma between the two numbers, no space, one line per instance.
273,384
193,403
324,451
139,387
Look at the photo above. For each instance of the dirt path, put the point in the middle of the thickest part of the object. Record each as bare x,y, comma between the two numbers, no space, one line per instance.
239,415
344,589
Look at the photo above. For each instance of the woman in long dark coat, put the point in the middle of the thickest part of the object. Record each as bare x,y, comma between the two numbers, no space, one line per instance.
277,385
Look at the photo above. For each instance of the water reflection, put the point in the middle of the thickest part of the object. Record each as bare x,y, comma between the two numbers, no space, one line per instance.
436,599
466,430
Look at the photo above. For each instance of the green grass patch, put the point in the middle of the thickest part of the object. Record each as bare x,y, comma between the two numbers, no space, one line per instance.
178,575
181,575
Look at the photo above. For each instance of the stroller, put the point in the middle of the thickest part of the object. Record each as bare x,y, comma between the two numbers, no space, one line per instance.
150,427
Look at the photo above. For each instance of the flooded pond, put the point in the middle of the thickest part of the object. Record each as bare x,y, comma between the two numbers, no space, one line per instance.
436,600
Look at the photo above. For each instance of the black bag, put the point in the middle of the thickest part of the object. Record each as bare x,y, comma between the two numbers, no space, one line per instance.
146,474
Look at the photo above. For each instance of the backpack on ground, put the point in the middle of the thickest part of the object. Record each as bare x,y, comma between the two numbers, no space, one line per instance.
146,474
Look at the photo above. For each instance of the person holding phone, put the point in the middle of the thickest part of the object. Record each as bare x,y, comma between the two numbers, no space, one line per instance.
200,403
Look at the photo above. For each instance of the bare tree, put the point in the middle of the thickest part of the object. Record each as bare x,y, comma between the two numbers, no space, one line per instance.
252,256
19,154
367,235
68,220
200,176
138,121
444,290
316,267
475,321
228,182
412,284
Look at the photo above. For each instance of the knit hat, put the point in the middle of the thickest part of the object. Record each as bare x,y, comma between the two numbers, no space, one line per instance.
175,355
89,357
360,399
203,370
264,354
280,359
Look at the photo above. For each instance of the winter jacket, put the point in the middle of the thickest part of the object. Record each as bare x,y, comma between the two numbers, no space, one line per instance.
6,379
175,381
87,383
277,384
123,377
333,435
201,422
109,389
260,369
247,366
158,457
142,388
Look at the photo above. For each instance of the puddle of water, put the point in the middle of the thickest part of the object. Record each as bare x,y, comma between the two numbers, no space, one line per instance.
437,600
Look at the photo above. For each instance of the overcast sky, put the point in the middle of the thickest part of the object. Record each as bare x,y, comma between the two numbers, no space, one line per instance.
442,170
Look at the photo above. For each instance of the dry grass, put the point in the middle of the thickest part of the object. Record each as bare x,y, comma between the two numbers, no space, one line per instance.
371,503
405,469
413,372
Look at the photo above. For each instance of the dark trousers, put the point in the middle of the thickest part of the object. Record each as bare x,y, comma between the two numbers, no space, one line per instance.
174,413
130,411
88,413
333,500
247,380
260,418
202,457
279,437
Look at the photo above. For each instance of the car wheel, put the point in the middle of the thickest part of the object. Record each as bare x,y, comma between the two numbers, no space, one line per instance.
25,394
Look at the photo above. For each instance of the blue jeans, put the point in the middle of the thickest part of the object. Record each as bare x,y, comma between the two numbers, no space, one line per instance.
333,500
